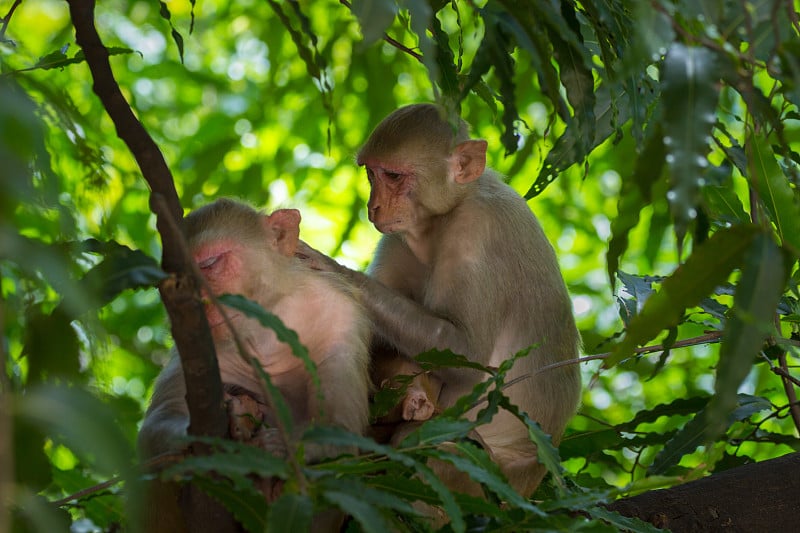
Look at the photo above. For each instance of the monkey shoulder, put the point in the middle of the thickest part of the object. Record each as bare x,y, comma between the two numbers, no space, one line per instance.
323,309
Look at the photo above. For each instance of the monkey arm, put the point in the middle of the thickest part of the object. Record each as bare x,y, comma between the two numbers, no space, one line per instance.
405,324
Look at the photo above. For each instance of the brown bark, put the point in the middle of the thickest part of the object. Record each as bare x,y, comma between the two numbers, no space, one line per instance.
756,497
180,292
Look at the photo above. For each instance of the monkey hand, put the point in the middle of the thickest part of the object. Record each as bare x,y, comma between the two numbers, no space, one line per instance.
244,416
417,405
270,440
314,259
420,401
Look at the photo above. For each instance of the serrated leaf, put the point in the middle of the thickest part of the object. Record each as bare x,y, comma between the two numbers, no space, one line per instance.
375,17
369,493
445,60
623,523
247,506
237,466
437,430
290,512
575,73
475,462
611,109
689,92
494,52
546,453
708,266
757,295
435,359
339,437
679,407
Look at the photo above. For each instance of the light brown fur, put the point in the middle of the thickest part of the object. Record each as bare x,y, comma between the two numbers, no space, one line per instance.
464,265
240,251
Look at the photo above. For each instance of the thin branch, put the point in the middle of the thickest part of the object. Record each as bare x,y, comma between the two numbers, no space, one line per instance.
397,44
708,338
7,18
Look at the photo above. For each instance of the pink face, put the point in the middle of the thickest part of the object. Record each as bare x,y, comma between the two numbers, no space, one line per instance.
221,264
390,207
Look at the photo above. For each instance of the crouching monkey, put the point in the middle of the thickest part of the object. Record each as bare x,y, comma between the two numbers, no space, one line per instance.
241,251
464,265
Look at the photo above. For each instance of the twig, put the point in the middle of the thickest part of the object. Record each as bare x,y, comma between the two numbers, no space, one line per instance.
397,44
155,463
7,18
708,338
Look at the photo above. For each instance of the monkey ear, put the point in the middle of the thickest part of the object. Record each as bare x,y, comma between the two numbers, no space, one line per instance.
284,225
468,160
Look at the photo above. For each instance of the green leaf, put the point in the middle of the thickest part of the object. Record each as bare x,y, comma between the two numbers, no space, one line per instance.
82,422
290,512
689,92
776,192
121,269
622,523
757,295
611,110
51,346
437,430
235,465
339,437
375,17
474,461
635,195
435,359
546,453
364,512
709,265
246,505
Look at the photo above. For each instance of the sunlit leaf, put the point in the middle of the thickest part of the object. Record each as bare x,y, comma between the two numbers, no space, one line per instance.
709,265
778,196
759,289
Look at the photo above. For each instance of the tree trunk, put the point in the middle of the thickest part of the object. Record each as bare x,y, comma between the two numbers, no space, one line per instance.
756,497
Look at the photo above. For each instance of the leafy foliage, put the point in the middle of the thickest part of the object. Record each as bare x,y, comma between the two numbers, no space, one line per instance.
666,134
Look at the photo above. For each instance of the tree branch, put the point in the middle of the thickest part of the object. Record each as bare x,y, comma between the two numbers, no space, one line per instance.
180,292
755,497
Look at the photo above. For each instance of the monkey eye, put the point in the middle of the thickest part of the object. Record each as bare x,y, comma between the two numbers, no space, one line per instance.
392,176
208,263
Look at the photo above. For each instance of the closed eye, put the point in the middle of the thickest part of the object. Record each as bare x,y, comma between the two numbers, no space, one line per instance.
205,264
393,176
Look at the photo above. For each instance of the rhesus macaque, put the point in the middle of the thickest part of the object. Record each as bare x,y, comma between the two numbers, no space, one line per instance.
464,265
241,251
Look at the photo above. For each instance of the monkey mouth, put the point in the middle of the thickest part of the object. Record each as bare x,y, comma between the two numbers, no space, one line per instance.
388,227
